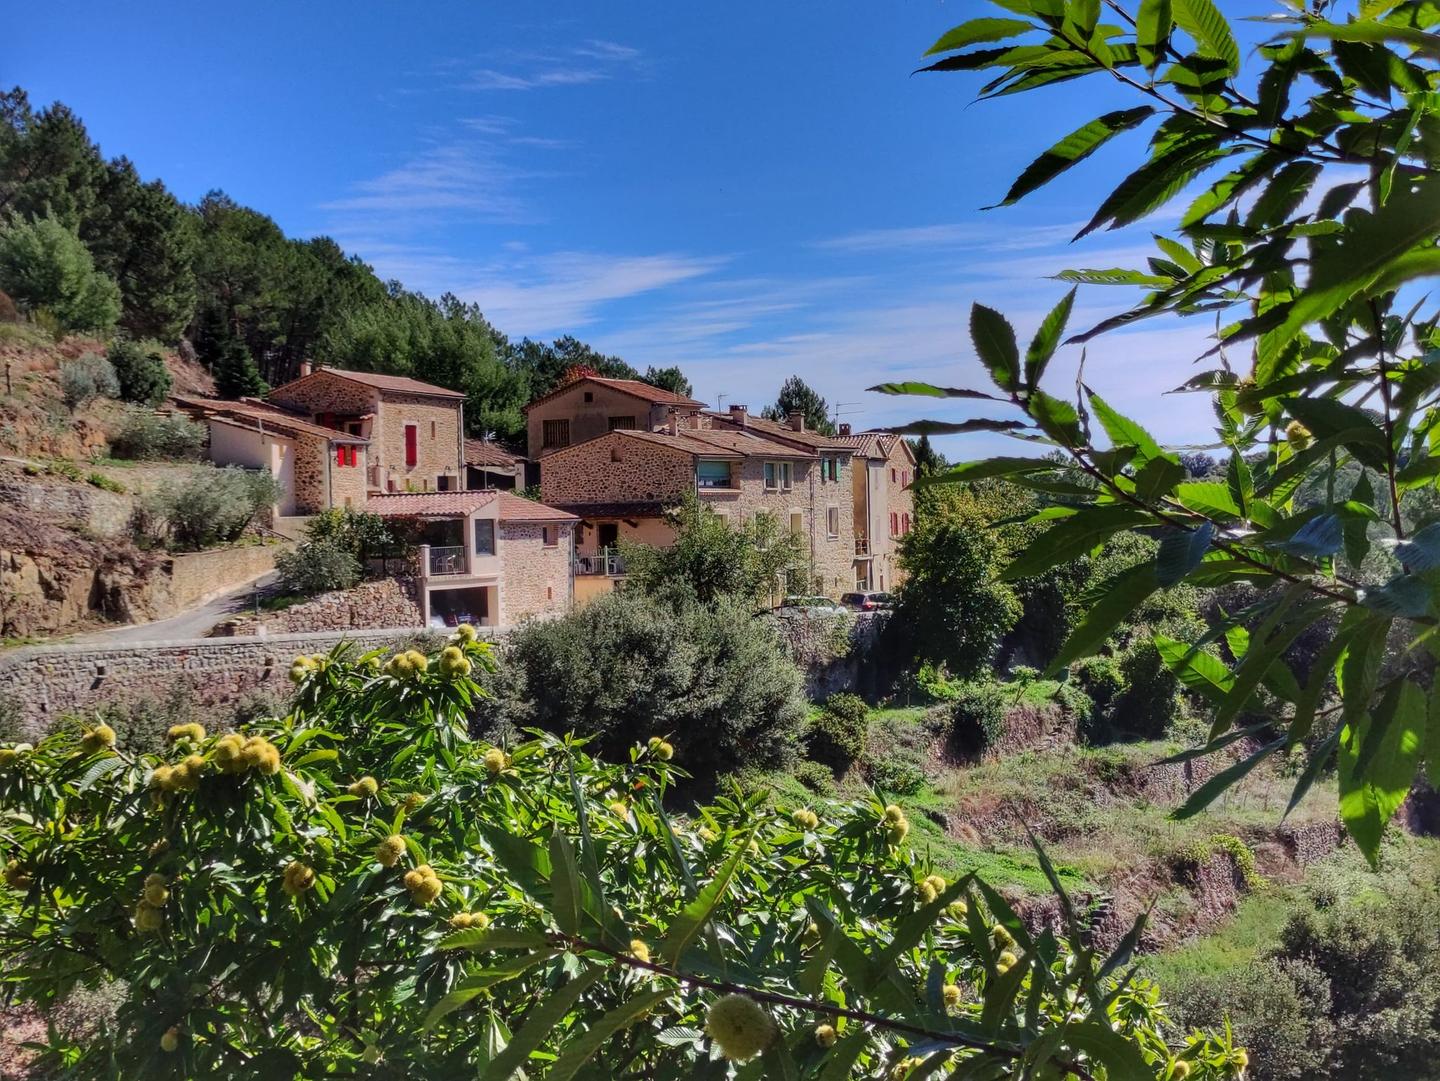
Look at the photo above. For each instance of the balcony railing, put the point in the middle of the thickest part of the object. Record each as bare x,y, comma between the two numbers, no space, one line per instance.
448,560
862,546
605,562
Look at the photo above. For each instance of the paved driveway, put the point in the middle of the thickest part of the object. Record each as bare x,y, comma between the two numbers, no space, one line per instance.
194,623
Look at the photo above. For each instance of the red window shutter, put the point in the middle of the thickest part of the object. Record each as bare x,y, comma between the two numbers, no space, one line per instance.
339,455
410,453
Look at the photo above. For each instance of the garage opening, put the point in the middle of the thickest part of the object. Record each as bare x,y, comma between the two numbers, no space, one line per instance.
474,605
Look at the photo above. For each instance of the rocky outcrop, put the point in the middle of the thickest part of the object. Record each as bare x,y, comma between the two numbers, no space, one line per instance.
98,511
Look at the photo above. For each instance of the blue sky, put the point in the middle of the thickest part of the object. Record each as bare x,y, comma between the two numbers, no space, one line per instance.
749,190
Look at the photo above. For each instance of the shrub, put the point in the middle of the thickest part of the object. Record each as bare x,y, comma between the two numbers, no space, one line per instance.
141,370
150,437
86,378
630,664
836,736
934,684
318,566
233,884
363,535
894,775
977,718
212,506
46,268
1076,703
1238,851
100,480
816,777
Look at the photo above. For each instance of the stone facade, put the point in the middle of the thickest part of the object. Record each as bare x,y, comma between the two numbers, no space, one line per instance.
535,577
47,682
311,473
589,409
385,602
195,576
348,482
884,506
322,392
437,443
616,469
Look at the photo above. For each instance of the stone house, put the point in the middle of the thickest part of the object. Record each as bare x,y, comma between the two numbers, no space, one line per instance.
884,506
490,558
589,406
621,483
489,465
317,467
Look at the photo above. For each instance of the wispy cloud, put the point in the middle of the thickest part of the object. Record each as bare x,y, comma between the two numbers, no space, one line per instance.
591,61
469,178
968,235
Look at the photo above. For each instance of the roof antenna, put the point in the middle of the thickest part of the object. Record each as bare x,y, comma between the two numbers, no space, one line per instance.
720,403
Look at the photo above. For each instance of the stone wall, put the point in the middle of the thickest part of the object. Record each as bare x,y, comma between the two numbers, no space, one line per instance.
437,443
322,392
616,469
589,419
101,512
835,652
347,482
385,602
47,682
197,575
312,463
535,578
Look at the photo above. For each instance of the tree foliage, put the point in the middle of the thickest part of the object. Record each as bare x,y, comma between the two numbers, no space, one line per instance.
140,368
359,889
797,396
1318,205
45,267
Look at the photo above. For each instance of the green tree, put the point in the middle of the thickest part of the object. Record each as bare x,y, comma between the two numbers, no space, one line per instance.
797,396
1316,210
542,366
952,609
49,168
44,266
141,370
671,379
709,560
928,460
236,375
437,906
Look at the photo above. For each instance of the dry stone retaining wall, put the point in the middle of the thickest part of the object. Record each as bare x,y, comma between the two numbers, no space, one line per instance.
385,602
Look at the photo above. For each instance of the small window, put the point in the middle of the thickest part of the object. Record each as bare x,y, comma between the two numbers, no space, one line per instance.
622,424
443,483
353,427
615,455
589,395
905,523
832,521
713,474
835,469
484,536
777,476
549,536
893,477
894,524
556,433
797,522
785,473
411,438
432,429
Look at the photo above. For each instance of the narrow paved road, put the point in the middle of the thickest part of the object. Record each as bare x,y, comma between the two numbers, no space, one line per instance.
194,623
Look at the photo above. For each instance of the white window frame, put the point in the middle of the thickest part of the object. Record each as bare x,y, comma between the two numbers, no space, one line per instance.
832,512
784,473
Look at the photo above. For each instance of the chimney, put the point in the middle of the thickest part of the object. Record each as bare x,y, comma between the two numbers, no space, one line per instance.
674,424
305,368
796,421
844,429
739,415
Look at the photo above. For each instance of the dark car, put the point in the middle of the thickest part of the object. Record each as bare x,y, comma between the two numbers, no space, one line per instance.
868,601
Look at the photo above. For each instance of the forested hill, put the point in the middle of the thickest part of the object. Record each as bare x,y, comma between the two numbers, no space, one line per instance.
226,279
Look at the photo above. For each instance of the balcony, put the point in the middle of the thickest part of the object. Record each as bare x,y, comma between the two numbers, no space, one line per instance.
448,560
605,562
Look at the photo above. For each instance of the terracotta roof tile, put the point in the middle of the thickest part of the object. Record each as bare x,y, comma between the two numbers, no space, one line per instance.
515,508
774,429
254,414
397,384
708,443
411,504
479,452
633,387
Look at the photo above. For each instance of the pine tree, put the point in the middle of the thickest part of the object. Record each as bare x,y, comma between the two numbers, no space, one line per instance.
236,375
797,396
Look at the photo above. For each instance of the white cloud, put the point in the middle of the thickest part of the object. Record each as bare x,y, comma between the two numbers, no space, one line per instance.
457,177
589,62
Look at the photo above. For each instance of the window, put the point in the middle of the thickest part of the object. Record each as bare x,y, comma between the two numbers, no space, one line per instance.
713,474
353,427
432,429
797,522
905,522
622,424
589,395
893,477
555,433
444,483
894,524
484,536
550,536
835,469
777,476
412,436
832,521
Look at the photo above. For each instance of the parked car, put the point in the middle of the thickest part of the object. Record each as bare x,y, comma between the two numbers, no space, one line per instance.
867,601
808,606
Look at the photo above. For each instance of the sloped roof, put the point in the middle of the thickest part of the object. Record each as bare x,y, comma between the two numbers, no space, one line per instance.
774,429
395,384
479,452
706,443
878,443
412,504
516,508
634,387
255,415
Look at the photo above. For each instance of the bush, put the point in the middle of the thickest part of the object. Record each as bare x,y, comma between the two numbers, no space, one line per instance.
86,378
213,506
100,480
318,566
977,718
630,664
140,367
1076,703
816,777
836,736
46,268
150,437
359,890
894,775
363,535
